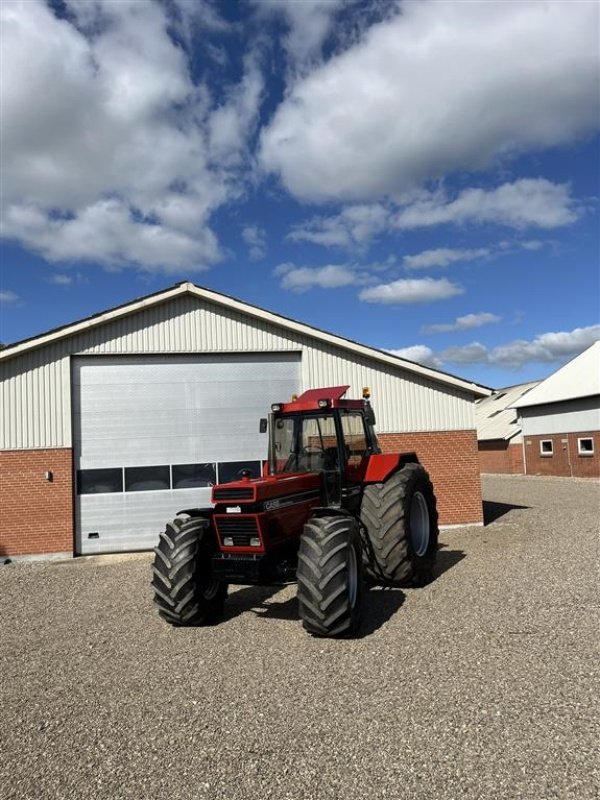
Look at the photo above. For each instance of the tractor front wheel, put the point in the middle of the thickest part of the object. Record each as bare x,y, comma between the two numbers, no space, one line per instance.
401,519
330,584
184,589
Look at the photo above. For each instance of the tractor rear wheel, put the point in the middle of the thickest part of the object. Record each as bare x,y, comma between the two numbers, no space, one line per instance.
330,585
401,519
184,589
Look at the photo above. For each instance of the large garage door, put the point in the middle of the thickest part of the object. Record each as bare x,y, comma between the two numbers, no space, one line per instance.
152,434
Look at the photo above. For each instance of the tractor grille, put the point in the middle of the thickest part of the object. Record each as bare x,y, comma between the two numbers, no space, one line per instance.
241,529
234,494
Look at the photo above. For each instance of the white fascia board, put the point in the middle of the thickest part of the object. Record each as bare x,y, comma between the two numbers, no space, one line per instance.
248,310
90,322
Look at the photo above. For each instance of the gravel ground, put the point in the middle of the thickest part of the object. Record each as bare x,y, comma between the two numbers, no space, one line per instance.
482,685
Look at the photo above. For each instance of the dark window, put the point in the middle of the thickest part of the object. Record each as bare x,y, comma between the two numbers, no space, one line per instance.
146,479
193,476
546,447
585,446
230,470
99,481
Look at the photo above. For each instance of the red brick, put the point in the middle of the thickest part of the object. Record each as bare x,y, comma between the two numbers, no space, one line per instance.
452,460
36,515
501,457
565,460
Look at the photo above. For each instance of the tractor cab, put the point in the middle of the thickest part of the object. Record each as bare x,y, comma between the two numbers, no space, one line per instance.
321,432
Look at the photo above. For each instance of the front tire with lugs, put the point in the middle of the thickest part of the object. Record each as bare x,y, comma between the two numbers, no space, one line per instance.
184,589
330,585
401,519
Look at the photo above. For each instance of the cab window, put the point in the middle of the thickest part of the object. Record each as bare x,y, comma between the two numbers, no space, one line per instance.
355,437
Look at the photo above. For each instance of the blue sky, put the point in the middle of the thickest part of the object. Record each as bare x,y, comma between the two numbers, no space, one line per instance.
421,177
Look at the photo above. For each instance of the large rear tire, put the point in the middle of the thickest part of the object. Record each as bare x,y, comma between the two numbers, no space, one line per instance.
330,585
401,519
184,589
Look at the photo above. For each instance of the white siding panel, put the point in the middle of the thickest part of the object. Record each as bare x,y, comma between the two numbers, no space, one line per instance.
576,415
36,394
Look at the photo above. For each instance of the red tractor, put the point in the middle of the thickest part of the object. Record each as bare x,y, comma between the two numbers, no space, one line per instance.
329,511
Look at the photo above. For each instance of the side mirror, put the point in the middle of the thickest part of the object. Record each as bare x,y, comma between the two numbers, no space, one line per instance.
263,426
370,415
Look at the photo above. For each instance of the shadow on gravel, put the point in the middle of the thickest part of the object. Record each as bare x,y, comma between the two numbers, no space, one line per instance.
380,605
248,599
493,511
446,559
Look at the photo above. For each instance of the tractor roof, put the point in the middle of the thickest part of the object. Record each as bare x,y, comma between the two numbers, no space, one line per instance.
319,399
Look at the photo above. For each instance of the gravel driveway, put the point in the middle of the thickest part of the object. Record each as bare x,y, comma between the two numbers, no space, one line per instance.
482,685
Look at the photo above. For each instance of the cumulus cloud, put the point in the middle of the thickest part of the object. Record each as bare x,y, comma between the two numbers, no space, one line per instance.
308,25
546,348
419,353
300,279
8,297
431,91
526,202
423,290
353,227
464,323
256,239
443,256
111,152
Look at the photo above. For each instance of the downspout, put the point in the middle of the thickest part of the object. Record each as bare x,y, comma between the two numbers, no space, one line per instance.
520,421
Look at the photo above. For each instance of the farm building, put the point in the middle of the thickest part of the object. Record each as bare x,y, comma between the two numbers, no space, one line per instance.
499,435
560,419
112,424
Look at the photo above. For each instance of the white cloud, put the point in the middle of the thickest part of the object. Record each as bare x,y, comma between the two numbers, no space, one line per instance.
464,323
111,153
545,348
300,279
256,239
308,22
419,353
60,280
108,233
423,290
8,297
443,256
353,227
526,202
438,88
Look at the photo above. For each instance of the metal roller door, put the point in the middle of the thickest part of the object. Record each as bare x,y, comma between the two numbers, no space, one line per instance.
152,434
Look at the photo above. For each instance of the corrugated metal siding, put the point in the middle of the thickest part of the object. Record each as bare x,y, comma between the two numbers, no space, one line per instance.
575,415
36,395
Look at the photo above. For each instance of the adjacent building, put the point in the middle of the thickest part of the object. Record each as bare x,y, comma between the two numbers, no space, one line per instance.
560,420
112,424
499,434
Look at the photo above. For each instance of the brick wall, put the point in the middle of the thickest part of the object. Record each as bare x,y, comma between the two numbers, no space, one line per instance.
36,515
452,460
565,459
501,457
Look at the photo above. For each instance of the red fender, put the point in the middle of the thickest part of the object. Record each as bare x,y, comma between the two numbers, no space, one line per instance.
381,465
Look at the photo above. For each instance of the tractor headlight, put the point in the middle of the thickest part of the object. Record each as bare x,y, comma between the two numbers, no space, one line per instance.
275,407
228,541
323,403
254,541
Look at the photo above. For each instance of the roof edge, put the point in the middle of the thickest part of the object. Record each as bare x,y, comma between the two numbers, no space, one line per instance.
187,287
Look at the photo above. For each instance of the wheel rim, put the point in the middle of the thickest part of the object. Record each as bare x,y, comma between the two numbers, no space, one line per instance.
352,576
419,524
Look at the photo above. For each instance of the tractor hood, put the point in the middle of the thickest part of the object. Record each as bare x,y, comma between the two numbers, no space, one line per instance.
269,487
